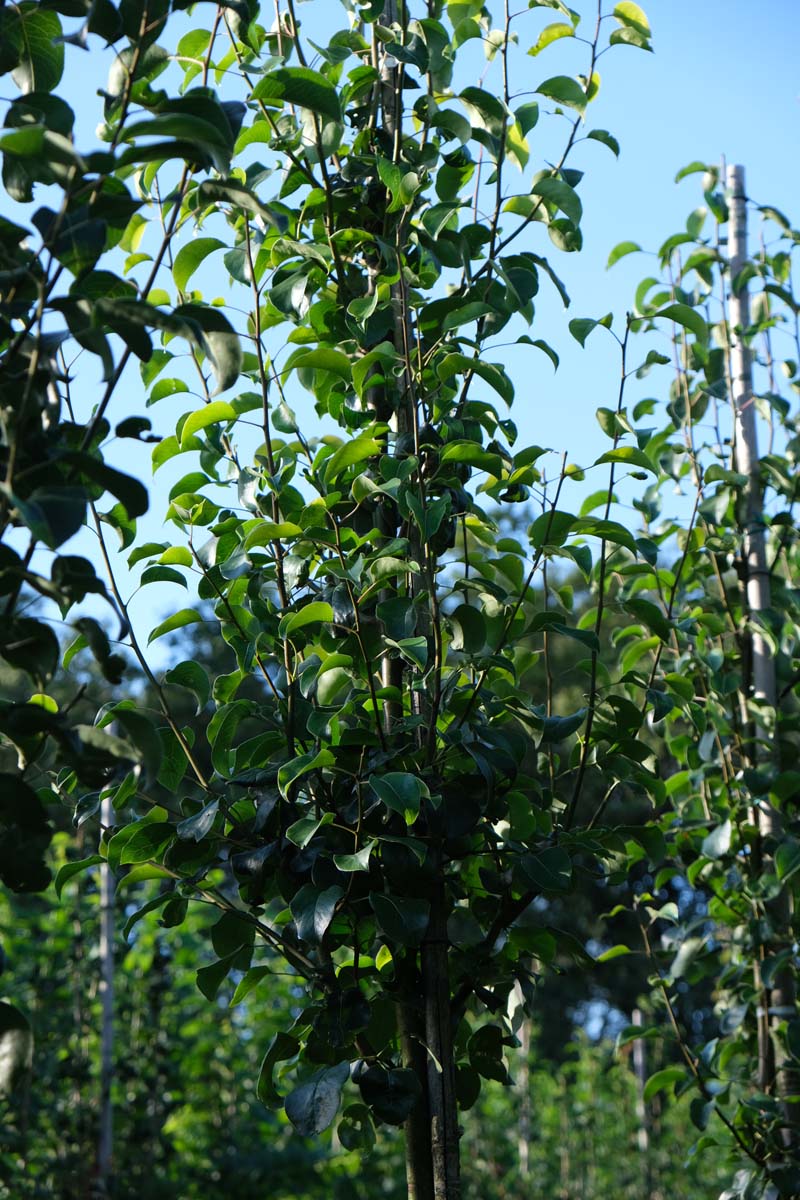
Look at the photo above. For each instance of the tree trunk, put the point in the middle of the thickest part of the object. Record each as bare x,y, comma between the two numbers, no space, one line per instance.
441,1079
419,1162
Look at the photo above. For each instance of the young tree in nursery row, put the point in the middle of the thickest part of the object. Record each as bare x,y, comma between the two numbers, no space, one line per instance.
388,807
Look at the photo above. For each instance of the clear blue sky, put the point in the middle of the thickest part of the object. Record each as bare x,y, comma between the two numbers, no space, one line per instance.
723,81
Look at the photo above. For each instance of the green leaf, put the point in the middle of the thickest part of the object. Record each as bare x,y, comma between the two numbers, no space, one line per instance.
404,920
473,455
400,792
293,770
630,456
581,327
555,729
614,952
602,135
232,932
211,978
493,373
691,169
29,35
144,736
284,419
549,871
71,869
210,414
192,676
350,453
620,250
316,613
195,828
142,874
301,86
150,906
174,763
391,1094
24,831
302,831
213,192
690,318
787,859
322,358
414,650
608,531
220,342
249,982
355,1130
651,615
355,862
186,616
552,622
189,258
312,1107
557,192
527,116
30,646
129,491
628,36
633,16
543,346
267,532
486,111
377,364
146,842
661,1080
469,629
52,514
313,911
282,1047
564,90
551,528
551,33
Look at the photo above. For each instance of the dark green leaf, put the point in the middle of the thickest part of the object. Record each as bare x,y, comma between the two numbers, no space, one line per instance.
391,1094
190,256
283,1046
301,86
313,911
403,919
71,869
192,676
195,828
313,1105
564,90
549,871
400,792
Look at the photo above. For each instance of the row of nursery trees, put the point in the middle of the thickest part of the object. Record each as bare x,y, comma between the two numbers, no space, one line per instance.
444,705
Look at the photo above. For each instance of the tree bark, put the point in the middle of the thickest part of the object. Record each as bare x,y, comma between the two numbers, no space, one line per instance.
419,1163
441,1080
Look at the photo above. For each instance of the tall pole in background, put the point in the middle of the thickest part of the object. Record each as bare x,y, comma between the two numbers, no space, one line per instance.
779,1000
105,1139
754,550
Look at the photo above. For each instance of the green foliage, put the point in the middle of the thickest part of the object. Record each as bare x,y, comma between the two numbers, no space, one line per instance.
387,785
